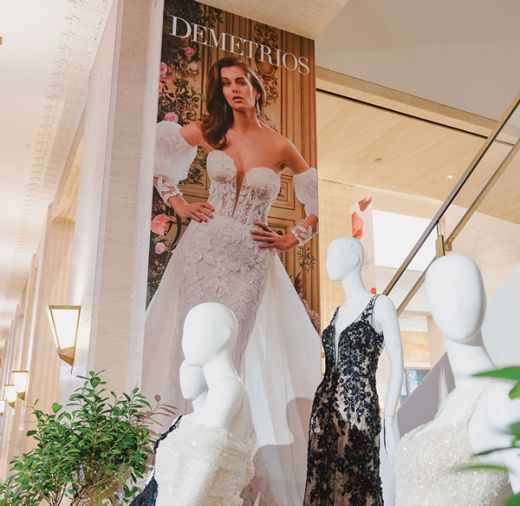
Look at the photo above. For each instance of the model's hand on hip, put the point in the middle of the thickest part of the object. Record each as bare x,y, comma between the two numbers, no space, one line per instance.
198,211
268,238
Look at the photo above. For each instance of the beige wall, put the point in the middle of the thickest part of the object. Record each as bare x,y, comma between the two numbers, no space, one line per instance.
110,254
31,345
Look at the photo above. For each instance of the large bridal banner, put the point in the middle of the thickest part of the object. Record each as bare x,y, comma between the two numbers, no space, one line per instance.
234,220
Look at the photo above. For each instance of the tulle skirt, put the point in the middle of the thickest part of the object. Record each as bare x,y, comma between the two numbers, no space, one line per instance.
278,354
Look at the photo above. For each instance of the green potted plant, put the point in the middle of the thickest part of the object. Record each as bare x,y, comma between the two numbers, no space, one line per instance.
90,452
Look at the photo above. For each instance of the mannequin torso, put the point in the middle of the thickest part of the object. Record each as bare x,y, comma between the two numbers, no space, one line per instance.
210,332
345,258
344,431
473,416
208,459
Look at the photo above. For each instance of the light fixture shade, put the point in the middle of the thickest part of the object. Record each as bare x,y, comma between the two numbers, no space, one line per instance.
21,381
64,322
2,407
10,395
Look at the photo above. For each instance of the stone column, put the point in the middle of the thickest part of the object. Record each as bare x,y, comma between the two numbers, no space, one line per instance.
110,252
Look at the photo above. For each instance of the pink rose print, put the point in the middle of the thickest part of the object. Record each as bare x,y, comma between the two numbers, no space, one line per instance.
160,224
194,67
163,69
160,248
357,226
189,52
171,116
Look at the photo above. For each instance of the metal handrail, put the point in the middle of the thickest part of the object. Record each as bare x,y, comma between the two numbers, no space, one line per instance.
451,197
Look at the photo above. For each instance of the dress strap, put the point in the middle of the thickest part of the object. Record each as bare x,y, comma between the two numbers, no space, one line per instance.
367,313
333,319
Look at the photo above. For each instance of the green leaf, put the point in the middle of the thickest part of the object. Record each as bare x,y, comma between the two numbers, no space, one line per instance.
485,467
514,500
509,373
515,392
515,429
56,407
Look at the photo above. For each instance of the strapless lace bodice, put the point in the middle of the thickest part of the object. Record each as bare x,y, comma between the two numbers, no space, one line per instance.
259,189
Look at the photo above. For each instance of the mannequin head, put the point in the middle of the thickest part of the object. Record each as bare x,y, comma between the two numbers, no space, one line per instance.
457,298
209,329
344,255
192,381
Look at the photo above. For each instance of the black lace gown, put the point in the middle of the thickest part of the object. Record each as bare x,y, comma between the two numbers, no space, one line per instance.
343,451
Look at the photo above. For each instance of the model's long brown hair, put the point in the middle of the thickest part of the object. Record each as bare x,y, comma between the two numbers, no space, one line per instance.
219,117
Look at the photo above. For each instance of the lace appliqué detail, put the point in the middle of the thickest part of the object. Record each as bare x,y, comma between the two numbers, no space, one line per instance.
165,188
306,189
220,260
259,189
343,452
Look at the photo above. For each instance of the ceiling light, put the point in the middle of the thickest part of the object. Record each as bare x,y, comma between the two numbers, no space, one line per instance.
64,322
450,176
21,380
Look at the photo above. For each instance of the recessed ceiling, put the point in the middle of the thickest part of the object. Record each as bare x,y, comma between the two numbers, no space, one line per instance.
303,17
416,156
462,54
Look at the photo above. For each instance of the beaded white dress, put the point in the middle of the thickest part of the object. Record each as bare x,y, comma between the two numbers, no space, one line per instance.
427,469
218,261
197,465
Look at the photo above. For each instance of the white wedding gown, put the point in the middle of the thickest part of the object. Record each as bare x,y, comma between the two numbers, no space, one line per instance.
278,350
197,465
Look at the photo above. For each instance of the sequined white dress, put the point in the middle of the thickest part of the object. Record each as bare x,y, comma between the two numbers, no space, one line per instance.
218,261
427,474
197,465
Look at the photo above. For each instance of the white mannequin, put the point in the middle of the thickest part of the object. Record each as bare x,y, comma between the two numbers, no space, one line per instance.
193,387
345,258
209,335
208,459
457,301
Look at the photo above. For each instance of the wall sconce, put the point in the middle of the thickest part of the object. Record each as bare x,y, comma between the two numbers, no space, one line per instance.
21,381
64,322
10,395
2,407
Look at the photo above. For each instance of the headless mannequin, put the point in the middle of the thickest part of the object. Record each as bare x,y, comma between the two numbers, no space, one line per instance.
209,335
345,258
457,301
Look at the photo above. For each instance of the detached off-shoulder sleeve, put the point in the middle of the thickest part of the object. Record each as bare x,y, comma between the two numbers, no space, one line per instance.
173,157
306,189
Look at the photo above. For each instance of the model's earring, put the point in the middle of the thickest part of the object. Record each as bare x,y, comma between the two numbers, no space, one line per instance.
226,107
257,103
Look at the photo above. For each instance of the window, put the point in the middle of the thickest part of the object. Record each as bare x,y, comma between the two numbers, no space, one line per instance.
411,379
